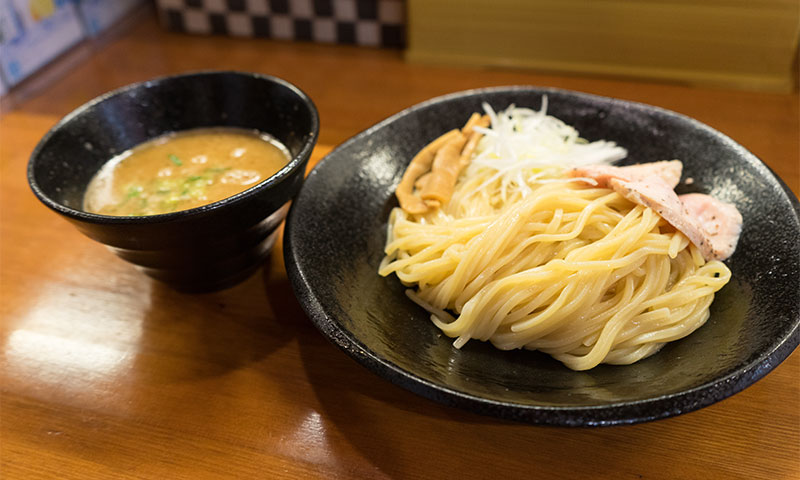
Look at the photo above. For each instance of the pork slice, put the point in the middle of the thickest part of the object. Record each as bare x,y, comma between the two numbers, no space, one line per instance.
668,170
713,226
720,223
655,193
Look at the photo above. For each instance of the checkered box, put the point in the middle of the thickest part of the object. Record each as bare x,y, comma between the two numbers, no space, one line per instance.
377,23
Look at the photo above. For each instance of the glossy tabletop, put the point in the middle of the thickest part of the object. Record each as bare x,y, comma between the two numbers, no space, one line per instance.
105,373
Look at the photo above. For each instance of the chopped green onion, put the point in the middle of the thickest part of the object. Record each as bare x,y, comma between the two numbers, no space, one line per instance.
174,159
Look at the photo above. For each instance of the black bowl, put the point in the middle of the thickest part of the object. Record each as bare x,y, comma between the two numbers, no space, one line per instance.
336,231
205,248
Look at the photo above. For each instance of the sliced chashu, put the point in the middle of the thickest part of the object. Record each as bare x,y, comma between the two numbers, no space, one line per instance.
712,225
720,222
668,170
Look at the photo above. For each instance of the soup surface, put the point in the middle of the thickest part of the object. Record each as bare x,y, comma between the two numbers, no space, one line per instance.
184,170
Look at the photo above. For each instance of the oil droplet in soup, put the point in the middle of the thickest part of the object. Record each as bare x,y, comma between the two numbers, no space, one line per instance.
184,170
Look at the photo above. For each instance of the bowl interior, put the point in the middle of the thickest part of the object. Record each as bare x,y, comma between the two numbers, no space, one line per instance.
74,150
337,229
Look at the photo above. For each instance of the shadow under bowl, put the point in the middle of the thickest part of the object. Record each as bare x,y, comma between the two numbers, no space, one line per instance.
202,249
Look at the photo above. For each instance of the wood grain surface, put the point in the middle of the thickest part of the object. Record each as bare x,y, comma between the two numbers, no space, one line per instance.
105,373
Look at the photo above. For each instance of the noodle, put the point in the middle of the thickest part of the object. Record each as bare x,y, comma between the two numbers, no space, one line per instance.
559,266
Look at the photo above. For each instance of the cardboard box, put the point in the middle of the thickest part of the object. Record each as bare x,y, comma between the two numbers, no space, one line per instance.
733,43
34,32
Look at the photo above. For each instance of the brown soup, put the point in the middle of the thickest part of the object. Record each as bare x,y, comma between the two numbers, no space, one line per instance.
184,170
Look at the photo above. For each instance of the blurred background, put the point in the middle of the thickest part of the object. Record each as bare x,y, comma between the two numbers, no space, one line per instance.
736,44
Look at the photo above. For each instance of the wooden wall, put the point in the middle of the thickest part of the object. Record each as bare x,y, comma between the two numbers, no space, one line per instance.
748,44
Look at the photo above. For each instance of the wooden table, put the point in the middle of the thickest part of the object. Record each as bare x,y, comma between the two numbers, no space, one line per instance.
106,373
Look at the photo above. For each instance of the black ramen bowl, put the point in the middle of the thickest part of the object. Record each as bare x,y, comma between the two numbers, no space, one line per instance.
336,231
205,248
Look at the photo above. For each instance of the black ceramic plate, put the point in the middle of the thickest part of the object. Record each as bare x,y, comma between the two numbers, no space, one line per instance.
336,232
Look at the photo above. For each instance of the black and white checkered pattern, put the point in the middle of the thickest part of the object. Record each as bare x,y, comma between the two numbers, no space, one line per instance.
379,23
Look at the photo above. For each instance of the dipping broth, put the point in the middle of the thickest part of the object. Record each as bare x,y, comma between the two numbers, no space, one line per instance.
184,170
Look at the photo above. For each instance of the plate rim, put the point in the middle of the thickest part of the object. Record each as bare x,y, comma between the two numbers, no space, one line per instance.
618,413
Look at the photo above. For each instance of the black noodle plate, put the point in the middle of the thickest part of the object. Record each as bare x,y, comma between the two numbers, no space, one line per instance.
337,228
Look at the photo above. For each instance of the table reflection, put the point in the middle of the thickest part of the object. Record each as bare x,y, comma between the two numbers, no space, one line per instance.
75,343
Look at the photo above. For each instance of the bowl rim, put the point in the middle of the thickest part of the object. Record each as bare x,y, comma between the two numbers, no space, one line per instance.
619,413
295,163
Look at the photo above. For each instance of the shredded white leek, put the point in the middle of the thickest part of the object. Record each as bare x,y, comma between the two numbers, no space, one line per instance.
523,147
